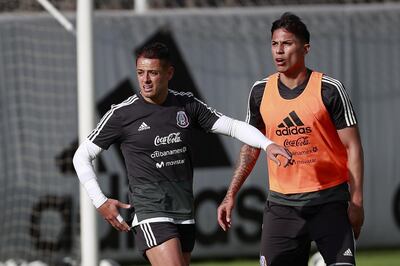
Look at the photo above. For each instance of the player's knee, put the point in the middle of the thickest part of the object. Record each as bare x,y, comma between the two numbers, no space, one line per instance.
282,260
342,258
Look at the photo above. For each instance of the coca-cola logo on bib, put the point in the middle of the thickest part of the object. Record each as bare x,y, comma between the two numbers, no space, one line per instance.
170,139
302,141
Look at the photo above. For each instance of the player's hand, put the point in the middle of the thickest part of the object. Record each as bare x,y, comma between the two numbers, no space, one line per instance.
224,213
109,211
273,150
356,217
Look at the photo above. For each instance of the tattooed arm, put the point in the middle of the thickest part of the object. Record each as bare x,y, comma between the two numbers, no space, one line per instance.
247,159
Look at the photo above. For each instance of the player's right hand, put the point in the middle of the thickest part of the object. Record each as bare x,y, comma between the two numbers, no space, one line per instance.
224,213
356,217
109,211
273,150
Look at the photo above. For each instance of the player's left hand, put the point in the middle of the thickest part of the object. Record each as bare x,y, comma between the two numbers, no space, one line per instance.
356,217
273,150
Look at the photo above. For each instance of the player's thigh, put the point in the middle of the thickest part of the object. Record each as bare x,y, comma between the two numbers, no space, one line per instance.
169,253
331,230
284,240
186,257
187,237
149,236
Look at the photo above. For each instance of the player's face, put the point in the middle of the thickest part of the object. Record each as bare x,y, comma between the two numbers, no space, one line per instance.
288,52
153,76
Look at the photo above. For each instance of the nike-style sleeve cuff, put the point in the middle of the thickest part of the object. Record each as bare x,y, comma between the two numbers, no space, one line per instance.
242,131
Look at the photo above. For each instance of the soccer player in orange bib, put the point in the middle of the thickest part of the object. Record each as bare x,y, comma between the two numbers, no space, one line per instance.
319,196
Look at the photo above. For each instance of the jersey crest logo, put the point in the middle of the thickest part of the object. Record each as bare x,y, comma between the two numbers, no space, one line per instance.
182,119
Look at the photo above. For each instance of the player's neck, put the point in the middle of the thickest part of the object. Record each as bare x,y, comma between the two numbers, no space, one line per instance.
293,79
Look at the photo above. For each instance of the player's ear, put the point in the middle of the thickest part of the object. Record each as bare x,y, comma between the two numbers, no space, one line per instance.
306,48
170,72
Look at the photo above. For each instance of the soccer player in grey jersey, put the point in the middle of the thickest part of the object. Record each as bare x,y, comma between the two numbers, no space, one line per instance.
154,129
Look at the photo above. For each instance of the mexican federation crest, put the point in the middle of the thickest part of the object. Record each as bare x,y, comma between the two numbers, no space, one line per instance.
182,119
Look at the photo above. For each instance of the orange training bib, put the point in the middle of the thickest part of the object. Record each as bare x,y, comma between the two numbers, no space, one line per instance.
303,125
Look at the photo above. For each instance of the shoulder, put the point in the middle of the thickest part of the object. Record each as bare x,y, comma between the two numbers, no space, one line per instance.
333,90
192,104
332,85
182,95
337,102
257,90
260,84
120,108
185,98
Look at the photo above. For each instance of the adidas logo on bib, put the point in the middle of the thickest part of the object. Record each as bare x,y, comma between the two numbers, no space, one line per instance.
292,125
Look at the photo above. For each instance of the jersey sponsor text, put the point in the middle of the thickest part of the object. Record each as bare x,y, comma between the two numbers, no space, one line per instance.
170,139
157,154
293,131
302,141
169,163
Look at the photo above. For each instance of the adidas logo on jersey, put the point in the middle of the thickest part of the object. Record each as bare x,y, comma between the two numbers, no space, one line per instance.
292,125
348,253
143,126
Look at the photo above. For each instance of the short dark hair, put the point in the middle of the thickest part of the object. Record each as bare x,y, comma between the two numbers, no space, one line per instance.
155,50
292,24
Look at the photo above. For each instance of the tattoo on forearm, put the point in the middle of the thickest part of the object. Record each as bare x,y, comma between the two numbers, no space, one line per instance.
247,159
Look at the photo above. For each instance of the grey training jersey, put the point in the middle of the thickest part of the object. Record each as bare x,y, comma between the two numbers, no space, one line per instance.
156,144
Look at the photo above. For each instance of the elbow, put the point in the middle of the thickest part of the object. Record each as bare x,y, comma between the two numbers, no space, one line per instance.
84,156
355,152
75,158
80,156
361,156
358,149
361,152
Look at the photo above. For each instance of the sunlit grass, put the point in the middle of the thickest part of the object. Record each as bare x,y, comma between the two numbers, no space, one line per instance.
364,258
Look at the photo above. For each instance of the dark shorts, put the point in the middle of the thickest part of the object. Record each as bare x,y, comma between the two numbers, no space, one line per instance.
149,235
288,231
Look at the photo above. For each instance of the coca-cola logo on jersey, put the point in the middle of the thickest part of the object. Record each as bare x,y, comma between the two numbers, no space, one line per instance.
171,138
302,141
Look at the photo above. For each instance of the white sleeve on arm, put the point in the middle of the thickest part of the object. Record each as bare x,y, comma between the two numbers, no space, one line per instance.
242,131
82,161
